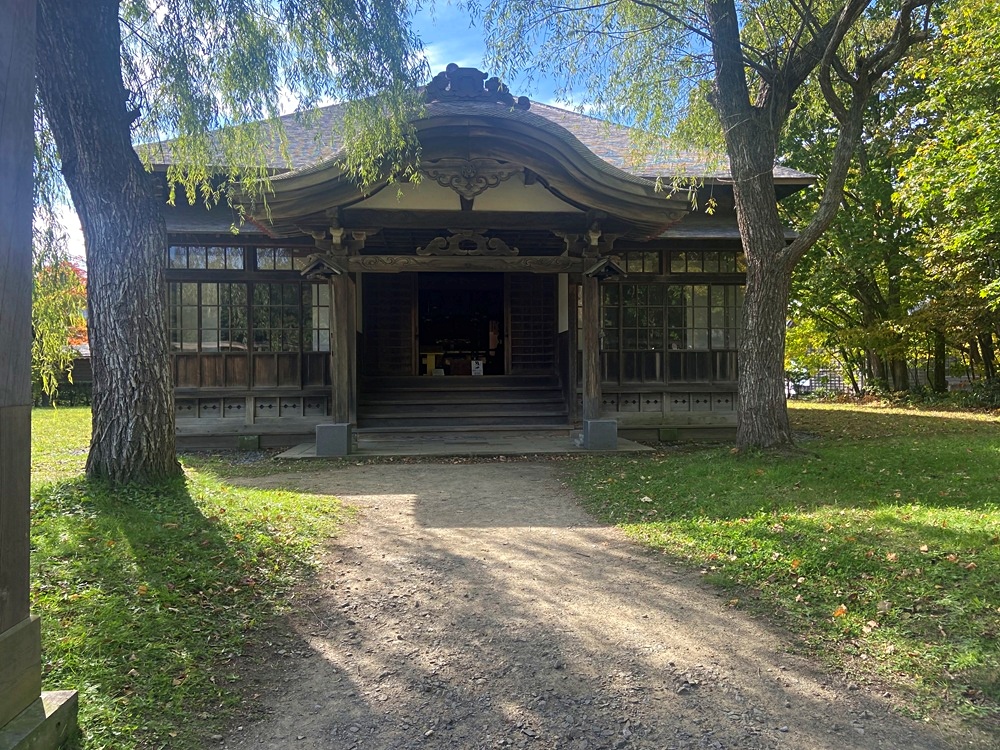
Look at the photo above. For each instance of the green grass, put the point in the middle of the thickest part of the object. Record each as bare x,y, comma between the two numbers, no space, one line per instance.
149,596
879,546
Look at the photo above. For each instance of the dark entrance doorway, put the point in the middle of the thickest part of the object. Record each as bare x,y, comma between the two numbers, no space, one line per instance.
416,323
460,323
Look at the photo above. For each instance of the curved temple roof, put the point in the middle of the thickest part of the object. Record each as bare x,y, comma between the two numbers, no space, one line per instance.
588,164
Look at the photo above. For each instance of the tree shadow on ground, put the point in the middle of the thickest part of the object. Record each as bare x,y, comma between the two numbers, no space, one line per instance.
146,602
430,628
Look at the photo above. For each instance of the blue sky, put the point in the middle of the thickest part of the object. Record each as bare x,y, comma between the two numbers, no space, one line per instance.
449,36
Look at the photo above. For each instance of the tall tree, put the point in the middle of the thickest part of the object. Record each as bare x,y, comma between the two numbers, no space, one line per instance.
113,71
748,59
950,182
863,276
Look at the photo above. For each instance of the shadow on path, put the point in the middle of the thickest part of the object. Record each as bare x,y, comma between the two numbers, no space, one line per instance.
478,606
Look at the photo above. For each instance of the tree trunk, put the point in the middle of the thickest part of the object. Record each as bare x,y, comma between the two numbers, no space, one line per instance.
940,381
989,355
751,137
900,374
84,98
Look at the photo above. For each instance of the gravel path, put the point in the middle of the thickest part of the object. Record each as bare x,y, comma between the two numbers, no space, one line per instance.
478,606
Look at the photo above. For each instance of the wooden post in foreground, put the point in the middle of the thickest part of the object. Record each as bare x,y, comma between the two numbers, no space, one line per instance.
27,717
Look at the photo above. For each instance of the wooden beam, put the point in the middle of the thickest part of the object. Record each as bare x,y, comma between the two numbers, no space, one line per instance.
514,263
591,348
432,219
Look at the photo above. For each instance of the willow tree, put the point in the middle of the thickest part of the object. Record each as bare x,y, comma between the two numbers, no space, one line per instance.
734,67
115,72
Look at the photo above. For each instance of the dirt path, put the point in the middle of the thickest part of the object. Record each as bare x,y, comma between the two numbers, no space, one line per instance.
477,606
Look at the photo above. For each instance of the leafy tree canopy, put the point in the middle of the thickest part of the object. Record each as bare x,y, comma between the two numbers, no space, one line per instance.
732,72
951,180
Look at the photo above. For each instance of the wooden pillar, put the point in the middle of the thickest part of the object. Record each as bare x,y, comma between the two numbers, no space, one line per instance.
591,348
352,349
17,88
574,350
343,346
24,714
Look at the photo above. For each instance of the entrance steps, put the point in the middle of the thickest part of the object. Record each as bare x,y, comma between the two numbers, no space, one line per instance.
509,402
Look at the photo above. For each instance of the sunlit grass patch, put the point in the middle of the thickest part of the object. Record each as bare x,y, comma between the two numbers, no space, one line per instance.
882,553
149,596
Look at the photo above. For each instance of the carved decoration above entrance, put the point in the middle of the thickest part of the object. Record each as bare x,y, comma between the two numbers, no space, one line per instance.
466,85
469,177
467,243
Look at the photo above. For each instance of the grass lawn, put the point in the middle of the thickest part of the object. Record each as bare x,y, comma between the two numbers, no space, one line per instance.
148,597
879,546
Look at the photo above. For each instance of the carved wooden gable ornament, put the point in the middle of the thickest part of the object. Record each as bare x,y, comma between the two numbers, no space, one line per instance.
457,84
468,177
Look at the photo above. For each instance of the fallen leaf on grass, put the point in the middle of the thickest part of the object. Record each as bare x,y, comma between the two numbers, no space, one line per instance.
840,611
645,499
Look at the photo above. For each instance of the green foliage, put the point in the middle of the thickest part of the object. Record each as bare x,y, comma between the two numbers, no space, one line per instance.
951,179
58,301
879,547
982,394
214,76
861,281
149,596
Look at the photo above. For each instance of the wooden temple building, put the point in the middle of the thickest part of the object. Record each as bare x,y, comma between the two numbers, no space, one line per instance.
536,277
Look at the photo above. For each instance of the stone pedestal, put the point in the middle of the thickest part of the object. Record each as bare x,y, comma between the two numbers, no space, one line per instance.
600,434
44,725
334,439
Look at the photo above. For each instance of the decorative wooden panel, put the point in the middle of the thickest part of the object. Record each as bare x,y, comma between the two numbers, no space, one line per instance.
212,371
265,371
531,302
237,370
186,371
316,368
390,301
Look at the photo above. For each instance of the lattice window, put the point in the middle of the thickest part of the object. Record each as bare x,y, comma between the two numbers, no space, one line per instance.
224,316
279,259
707,261
216,258
656,333
645,262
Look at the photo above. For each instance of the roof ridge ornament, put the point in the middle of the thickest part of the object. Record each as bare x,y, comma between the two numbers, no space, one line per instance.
466,85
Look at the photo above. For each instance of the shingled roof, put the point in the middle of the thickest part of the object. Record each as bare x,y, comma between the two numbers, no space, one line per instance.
315,137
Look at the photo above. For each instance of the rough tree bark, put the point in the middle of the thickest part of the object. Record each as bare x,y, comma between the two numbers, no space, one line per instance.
85,101
751,143
752,127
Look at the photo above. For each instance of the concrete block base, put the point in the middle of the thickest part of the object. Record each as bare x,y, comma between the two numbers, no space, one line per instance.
334,439
248,442
600,434
44,725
